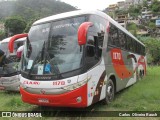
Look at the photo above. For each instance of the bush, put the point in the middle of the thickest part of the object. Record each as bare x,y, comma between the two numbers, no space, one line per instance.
2,35
14,25
152,49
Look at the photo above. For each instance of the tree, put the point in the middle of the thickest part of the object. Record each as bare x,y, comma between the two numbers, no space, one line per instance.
145,4
31,9
14,25
2,35
134,11
29,24
152,48
132,28
155,7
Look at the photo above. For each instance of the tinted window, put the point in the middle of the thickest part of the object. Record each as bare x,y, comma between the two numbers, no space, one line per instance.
122,39
113,36
95,40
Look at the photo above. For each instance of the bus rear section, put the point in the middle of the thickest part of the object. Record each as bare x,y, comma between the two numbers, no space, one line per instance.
67,61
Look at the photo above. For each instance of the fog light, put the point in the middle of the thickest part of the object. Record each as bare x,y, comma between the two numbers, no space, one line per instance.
79,99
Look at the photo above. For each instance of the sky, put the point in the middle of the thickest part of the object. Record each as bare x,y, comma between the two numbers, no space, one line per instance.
91,4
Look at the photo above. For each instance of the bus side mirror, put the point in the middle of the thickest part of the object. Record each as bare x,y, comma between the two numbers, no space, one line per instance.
82,32
14,38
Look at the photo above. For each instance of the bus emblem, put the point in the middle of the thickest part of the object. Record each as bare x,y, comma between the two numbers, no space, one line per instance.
43,91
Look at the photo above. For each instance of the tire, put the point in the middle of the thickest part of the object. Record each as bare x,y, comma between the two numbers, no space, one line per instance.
110,92
137,75
141,74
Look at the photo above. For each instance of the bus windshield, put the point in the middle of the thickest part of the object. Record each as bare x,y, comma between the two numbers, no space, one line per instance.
52,48
4,47
9,63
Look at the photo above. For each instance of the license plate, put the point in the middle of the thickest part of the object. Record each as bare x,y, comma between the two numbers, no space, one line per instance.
43,100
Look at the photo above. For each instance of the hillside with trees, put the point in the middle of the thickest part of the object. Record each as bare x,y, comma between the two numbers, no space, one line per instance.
31,9
18,15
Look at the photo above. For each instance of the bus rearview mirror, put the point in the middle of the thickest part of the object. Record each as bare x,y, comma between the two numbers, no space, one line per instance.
14,38
82,32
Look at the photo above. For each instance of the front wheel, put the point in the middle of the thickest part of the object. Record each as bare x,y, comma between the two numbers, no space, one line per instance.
110,92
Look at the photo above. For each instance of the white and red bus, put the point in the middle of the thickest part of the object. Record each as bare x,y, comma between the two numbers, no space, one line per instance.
78,58
9,62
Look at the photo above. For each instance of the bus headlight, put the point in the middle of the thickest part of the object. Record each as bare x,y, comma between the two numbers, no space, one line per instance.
77,85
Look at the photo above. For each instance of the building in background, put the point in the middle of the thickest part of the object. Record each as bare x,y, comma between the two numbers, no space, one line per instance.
122,19
158,23
121,5
112,7
136,2
146,14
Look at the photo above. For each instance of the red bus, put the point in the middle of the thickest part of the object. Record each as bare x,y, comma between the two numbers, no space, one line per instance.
78,58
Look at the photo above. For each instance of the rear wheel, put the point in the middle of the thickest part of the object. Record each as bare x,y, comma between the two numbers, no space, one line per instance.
110,92
141,74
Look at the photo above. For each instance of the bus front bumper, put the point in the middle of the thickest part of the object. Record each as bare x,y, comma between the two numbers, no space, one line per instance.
75,98
10,84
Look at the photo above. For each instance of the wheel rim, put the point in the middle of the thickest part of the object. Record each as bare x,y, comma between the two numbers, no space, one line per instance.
110,91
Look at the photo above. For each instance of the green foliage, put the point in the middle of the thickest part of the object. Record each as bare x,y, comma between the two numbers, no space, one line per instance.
152,25
145,4
28,26
15,25
30,10
33,9
132,27
149,58
155,7
152,48
133,32
121,12
134,11
2,34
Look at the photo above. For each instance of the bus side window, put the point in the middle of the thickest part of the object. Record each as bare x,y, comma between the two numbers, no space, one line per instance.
134,45
129,43
122,39
91,57
94,48
97,31
113,36
90,46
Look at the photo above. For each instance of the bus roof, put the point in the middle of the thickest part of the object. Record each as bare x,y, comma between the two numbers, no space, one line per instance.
83,12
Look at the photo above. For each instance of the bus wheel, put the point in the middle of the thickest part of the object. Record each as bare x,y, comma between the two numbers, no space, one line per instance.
141,74
109,92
